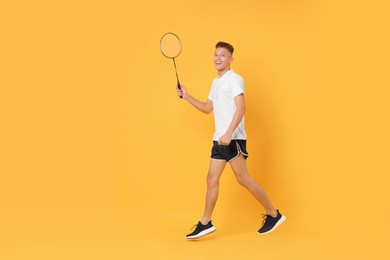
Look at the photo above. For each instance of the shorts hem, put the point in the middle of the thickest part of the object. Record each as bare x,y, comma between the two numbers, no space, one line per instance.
239,151
217,159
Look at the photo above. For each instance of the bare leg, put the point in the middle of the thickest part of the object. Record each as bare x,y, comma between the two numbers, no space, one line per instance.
241,172
215,171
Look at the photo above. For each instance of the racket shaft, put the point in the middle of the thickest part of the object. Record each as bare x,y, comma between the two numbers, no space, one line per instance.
177,76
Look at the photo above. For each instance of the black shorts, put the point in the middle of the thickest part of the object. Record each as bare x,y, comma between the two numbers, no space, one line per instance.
229,152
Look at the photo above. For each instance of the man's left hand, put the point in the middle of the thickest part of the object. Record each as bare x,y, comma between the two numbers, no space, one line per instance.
225,139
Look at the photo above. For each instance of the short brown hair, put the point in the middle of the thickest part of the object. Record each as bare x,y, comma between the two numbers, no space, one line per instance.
225,45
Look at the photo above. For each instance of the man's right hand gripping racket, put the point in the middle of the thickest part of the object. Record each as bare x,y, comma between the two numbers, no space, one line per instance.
170,46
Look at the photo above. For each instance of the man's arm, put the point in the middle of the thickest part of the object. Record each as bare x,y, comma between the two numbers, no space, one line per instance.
238,115
205,107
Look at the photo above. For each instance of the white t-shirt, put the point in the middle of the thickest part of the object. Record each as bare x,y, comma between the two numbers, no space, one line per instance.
222,93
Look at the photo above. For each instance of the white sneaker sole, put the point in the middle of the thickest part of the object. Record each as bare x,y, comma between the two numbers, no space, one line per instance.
203,233
281,220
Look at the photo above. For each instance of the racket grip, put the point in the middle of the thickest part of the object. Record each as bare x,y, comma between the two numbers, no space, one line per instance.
179,87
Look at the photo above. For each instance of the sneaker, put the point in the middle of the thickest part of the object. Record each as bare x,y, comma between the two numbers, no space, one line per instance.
201,230
271,223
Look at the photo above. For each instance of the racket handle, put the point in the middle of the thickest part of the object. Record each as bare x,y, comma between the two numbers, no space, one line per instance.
179,87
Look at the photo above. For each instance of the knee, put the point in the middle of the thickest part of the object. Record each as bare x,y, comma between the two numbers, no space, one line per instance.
242,180
212,181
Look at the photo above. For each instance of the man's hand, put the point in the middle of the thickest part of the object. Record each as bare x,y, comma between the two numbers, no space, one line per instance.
205,107
182,92
225,139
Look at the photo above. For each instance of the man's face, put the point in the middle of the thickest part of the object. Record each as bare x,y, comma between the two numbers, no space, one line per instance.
222,59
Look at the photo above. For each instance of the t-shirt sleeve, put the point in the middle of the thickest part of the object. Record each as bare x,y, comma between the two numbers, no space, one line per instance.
237,86
211,94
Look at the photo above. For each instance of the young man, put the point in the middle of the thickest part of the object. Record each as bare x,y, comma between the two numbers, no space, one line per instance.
226,98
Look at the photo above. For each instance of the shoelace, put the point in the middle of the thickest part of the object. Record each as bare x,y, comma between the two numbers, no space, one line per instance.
265,218
195,226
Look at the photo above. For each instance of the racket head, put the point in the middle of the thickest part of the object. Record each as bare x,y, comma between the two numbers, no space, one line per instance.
170,45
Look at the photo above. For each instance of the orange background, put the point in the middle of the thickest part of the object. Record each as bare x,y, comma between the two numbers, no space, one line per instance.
101,160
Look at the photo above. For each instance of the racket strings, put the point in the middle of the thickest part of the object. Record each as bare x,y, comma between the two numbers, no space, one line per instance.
170,45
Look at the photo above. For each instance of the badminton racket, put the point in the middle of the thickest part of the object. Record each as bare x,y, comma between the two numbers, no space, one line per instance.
170,46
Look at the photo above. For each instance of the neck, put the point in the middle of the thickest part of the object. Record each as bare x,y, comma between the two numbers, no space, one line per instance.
222,72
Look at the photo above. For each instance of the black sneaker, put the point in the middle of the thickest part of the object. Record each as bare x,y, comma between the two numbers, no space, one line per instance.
201,230
271,223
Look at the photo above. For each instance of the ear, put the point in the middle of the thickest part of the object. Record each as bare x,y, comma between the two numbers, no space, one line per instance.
231,59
